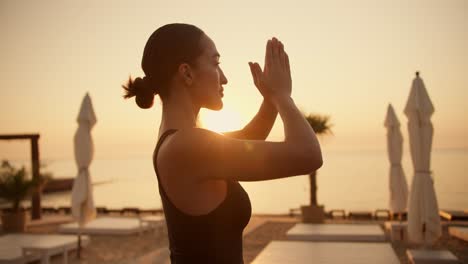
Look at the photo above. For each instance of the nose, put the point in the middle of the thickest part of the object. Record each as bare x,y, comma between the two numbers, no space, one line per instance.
223,77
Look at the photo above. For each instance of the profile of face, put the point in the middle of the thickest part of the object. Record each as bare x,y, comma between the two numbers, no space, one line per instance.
208,79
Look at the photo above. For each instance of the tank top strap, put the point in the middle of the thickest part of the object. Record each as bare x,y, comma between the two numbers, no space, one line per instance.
158,145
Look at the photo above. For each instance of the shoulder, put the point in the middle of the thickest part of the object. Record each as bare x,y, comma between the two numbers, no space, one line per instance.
187,144
192,138
191,152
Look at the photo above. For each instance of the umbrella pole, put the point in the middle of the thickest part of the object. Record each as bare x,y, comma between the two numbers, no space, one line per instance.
401,226
425,243
79,244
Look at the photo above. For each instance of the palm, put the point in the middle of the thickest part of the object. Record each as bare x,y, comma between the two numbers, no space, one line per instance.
275,78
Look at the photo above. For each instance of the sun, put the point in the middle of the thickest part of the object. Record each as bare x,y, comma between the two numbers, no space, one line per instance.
221,121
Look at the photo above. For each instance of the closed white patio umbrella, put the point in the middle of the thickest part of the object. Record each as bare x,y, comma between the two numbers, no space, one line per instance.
423,210
397,181
82,203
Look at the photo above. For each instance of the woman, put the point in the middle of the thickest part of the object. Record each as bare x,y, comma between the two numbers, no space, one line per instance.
198,170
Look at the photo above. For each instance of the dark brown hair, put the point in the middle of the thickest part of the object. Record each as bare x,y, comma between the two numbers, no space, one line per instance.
168,47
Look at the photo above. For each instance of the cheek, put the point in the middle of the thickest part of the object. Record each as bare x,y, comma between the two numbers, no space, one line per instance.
209,77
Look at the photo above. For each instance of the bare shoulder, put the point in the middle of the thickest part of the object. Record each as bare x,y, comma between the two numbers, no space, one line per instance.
185,147
187,141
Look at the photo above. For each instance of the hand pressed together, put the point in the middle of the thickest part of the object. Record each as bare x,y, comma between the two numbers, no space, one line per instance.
274,81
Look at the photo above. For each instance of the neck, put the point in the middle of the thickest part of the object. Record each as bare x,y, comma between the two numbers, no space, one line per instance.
179,112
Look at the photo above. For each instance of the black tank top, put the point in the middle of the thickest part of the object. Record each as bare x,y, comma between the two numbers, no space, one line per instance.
215,237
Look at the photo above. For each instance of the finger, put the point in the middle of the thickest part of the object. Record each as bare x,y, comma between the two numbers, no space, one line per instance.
282,55
288,69
259,76
258,70
254,75
275,50
268,54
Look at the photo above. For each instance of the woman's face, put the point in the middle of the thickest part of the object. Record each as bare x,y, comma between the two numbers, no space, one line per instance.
208,78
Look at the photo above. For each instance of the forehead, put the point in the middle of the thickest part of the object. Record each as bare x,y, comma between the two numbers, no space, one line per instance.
208,46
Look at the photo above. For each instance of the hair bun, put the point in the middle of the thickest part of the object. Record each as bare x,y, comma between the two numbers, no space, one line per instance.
144,93
149,83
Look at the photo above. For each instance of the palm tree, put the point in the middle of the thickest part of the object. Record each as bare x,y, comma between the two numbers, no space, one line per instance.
15,185
321,126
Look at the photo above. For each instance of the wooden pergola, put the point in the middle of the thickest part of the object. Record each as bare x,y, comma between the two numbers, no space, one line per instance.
34,138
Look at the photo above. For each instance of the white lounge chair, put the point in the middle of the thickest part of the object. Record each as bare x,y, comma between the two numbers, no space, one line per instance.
336,232
23,248
421,256
107,226
459,232
300,252
14,254
397,230
151,221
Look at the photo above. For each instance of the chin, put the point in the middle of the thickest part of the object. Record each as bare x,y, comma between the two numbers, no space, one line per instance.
215,106
218,107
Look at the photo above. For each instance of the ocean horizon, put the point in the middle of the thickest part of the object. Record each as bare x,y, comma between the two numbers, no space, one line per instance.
349,180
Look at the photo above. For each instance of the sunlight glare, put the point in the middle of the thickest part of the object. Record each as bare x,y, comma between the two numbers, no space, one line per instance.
221,121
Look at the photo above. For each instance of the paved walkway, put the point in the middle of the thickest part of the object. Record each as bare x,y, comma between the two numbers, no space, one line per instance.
162,255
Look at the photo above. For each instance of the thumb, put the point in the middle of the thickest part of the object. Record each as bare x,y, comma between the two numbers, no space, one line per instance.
254,72
259,77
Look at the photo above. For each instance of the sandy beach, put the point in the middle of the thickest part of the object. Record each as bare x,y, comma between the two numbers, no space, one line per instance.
151,246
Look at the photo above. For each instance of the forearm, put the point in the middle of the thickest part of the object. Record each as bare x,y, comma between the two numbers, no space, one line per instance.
260,126
296,129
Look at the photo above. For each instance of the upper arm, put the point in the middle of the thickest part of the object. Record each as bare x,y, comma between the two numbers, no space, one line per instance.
237,134
210,155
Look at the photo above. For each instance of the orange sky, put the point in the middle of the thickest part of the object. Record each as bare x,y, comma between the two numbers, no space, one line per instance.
349,60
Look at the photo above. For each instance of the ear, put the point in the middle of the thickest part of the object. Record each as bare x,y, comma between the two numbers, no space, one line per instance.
186,73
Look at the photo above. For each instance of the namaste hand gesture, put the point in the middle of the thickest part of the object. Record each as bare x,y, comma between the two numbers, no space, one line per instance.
275,80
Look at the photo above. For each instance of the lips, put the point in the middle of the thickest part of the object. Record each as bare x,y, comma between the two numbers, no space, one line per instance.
221,93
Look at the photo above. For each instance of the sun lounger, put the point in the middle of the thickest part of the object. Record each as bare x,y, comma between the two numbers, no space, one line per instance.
107,226
453,215
459,232
421,256
14,255
130,210
337,213
297,252
64,209
336,232
23,248
362,215
102,210
152,221
382,214
398,230
402,215
151,211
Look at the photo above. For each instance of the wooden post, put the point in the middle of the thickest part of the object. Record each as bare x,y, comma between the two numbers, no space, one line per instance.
36,198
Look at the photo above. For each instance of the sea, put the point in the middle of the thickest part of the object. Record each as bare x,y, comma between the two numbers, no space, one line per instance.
349,180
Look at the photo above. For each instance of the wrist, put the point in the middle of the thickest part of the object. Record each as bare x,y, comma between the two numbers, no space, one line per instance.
282,100
268,103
